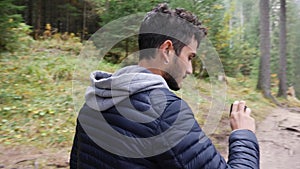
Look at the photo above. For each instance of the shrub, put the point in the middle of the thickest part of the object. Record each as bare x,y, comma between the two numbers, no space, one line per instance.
18,38
14,33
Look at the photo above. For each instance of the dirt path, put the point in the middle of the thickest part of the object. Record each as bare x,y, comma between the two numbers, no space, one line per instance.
279,138
22,157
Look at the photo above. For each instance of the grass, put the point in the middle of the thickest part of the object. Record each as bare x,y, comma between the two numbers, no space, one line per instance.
37,105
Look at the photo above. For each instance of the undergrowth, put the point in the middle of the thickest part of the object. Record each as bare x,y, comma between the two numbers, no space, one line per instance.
37,107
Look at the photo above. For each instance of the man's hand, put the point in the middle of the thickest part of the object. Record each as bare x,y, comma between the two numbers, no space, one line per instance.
240,117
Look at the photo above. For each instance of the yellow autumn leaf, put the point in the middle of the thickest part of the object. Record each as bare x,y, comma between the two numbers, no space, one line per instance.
218,6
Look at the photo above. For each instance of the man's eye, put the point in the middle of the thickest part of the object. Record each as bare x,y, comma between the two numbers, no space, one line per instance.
191,57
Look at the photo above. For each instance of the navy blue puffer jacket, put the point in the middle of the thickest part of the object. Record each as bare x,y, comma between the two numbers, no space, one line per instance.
132,120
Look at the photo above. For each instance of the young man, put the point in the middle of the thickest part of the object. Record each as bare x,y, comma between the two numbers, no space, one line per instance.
131,119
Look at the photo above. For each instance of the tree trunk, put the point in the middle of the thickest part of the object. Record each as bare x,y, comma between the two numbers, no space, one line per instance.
39,14
84,21
264,67
282,44
27,14
38,18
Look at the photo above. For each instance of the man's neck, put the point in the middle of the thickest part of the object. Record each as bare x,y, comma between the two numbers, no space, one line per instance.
151,66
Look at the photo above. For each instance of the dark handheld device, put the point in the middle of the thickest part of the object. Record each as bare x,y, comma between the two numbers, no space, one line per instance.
231,109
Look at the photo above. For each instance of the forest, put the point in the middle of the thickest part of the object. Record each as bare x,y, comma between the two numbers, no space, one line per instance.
234,28
43,42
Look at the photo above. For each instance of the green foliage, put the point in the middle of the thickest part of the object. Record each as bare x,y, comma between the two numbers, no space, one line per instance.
226,32
293,48
35,96
211,13
73,44
216,15
36,104
115,9
275,30
27,111
18,38
293,39
14,33
70,9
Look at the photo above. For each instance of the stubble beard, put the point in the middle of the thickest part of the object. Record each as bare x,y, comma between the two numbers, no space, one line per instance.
172,83
170,74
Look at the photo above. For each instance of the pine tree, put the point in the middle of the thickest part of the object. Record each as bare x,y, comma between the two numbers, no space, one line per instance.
282,44
264,67
9,19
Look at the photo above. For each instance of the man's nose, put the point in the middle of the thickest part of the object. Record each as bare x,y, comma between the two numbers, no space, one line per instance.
189,69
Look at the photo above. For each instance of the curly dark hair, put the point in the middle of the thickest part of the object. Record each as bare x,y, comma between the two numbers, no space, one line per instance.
163,23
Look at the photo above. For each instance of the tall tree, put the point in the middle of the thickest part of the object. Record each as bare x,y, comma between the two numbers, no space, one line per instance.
293,48
115,9
9,19
211,13
264,67
83,20
282,43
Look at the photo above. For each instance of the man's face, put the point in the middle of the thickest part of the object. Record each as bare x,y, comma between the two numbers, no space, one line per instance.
180,66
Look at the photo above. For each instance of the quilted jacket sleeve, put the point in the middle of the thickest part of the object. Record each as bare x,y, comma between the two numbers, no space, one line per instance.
196,150
73,157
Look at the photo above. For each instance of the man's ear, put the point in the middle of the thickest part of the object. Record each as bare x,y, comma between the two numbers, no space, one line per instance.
166,48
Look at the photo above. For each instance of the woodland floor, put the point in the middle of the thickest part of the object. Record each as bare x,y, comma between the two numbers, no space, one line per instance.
278,135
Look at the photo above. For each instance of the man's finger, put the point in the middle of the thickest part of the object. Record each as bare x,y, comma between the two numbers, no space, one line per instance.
241,106
234,107
248,111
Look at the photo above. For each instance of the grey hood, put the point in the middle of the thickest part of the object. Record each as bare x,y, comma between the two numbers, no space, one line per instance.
107,89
